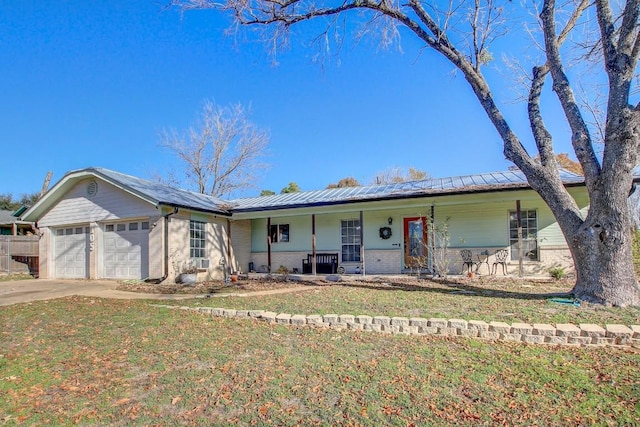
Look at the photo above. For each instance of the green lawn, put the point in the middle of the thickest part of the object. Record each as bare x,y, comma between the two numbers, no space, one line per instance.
485,299
88,361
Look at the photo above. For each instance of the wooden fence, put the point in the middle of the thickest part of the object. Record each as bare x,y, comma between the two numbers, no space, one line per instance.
19,254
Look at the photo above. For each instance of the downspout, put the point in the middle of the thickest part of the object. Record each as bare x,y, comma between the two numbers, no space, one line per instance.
166,247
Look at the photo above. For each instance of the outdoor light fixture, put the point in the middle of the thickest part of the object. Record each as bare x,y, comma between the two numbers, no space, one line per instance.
390,220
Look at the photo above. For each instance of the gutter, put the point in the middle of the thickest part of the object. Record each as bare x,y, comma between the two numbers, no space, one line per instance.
166,248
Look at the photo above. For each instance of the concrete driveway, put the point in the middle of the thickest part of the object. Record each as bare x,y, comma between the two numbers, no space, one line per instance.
20,291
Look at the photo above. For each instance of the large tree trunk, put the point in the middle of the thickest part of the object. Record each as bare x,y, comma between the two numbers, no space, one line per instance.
601,245
601,251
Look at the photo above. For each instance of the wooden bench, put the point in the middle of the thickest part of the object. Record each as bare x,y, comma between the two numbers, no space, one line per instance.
325,263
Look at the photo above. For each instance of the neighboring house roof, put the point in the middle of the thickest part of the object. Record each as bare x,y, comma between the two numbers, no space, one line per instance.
6,217
156,193
495,181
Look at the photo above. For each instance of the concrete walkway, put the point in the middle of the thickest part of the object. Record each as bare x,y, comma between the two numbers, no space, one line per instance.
21,291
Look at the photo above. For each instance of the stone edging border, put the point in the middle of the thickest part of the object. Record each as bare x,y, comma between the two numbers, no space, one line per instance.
584,334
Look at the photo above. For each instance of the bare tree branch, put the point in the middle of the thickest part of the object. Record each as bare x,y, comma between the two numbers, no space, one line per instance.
580,138
221,152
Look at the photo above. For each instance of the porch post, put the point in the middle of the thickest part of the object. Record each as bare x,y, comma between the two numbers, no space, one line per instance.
229,244
269,244
432,237
520,248
313,244
362,242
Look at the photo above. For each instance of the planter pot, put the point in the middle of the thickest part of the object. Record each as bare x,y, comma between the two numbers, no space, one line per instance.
188,278
234,278
471,275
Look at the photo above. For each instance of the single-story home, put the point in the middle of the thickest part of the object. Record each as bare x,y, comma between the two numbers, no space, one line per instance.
97,223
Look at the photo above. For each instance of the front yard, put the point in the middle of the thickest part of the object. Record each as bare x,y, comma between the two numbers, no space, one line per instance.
485,298
90,361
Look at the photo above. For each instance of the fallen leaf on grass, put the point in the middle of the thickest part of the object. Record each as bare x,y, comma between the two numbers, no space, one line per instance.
175,400
122,401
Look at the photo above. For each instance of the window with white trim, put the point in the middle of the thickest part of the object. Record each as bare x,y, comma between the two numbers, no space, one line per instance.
197,239
529,219
279,233
350,234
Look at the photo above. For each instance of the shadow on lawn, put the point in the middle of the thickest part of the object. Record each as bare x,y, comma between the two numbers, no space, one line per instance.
449,287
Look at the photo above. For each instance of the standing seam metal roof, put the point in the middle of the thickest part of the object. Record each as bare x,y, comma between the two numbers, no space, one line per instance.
494,181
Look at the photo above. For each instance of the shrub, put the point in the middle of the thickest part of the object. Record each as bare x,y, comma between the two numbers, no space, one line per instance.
558,273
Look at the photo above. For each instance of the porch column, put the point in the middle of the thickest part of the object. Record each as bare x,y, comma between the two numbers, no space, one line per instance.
229,245
362,242
313,244
520,248
431,235
269,244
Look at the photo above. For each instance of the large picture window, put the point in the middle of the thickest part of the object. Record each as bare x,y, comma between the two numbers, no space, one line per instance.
279,233
350,231
529,220
197,239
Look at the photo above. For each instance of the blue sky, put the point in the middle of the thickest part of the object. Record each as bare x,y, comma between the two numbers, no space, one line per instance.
93,83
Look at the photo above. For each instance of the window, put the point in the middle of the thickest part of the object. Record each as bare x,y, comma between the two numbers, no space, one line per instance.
529,220
197,239
121,227
279,233
145,225
350,231
133,226
109,227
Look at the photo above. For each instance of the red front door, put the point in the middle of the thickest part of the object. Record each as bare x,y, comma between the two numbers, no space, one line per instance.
415,242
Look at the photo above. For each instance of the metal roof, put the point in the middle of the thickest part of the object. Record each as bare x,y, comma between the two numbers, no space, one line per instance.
494,181
164,194
153,192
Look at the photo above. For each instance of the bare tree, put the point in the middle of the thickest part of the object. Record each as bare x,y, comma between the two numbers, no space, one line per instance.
395,175
221,153
462,31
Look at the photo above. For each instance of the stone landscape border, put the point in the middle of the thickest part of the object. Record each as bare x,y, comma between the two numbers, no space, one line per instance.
584,334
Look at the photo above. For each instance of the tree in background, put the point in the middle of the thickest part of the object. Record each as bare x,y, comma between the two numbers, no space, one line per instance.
291,188
267,193
221,153
603,33
8,203
345,182
395,175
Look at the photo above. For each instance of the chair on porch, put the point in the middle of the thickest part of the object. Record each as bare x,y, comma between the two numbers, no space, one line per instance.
500,259
467,260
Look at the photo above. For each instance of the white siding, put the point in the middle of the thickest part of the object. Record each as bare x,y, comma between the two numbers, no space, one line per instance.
241,244
109,203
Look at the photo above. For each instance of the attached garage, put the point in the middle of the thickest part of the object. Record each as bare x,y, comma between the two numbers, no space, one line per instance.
71,252
100,224
126,250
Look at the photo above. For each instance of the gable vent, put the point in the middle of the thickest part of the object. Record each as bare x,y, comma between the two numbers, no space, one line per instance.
92,188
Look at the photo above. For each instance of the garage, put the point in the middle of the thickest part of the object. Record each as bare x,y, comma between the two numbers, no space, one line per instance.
126,250
71,246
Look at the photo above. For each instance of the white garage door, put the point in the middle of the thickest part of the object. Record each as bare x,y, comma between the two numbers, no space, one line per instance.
71,259
126,250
